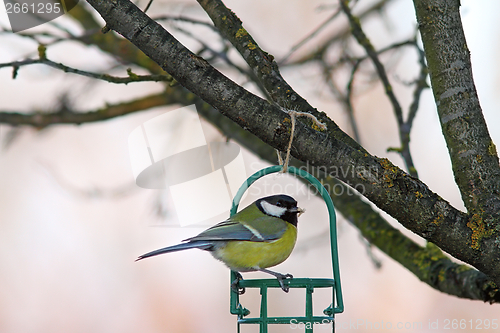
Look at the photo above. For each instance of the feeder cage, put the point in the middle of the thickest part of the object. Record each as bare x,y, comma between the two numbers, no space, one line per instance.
309,284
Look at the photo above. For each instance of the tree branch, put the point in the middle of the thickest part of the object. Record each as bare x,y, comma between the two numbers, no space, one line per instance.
473,154
99,76
65,116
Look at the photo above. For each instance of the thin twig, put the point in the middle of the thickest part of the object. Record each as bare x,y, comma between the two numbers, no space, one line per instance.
105,77
348,102
363,40
404,131
420,85
311,35
66,115
343,34
185,19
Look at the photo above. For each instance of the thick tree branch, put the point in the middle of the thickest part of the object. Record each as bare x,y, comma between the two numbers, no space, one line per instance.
473,154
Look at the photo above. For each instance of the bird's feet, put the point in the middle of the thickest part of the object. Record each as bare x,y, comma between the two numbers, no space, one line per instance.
281,278
235,284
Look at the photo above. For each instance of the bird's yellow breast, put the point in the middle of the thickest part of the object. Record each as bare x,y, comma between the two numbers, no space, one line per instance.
244,256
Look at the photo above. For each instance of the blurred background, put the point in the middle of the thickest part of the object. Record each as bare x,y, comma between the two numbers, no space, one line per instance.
72,220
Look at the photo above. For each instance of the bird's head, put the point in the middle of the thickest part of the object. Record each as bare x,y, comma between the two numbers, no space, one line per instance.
281,206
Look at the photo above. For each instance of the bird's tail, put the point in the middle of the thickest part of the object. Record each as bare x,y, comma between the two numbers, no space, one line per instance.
179,247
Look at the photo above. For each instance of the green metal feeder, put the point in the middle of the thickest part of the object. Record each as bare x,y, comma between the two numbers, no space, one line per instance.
308,320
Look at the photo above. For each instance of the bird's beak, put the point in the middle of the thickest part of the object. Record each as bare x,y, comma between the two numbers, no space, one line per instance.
298,210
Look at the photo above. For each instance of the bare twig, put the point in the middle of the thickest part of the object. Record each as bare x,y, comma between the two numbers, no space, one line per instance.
105,77
309,37
67,116
363,40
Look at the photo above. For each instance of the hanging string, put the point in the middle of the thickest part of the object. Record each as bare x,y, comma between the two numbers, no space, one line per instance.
293,114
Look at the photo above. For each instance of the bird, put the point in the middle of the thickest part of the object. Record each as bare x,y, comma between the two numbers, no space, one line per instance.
260,236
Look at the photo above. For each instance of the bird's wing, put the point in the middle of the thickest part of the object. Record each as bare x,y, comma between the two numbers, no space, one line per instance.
237,230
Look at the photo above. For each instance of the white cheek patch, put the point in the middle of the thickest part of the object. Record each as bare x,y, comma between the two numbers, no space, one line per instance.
272,209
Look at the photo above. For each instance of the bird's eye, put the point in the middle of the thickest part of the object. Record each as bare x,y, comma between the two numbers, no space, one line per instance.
279,204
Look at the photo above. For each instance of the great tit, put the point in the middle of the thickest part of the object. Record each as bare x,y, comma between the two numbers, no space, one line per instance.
261,235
